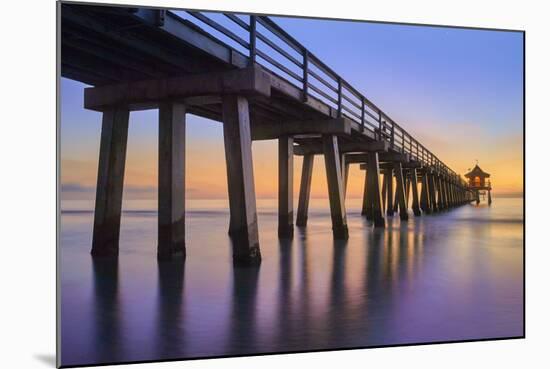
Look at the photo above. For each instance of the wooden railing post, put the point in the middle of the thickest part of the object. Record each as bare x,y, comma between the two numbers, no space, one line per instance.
252,41
379,125
305,75
339,97
392,139
160,14
362,114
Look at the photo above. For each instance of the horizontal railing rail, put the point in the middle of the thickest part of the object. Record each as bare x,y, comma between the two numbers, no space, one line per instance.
267,44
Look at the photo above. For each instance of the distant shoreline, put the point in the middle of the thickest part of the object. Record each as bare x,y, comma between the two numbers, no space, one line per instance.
92,197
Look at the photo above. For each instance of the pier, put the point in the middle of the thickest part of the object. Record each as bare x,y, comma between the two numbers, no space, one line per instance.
265,86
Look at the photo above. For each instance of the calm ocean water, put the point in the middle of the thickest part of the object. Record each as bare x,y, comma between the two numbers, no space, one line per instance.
453,276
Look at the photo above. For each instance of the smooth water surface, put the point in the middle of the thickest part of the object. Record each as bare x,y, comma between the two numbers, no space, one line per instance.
457,275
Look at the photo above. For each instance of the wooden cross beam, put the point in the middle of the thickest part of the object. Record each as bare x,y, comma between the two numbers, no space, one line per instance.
147,94
269,130
345,147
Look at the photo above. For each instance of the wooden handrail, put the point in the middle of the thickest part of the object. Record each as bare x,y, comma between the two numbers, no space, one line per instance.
387,128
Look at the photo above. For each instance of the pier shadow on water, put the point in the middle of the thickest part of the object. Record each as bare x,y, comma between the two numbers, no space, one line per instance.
436,278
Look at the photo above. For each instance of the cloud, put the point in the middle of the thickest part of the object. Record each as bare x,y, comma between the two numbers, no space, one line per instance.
75,187
81,190
78,187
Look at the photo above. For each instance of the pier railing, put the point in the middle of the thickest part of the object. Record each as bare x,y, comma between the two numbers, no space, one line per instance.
266,43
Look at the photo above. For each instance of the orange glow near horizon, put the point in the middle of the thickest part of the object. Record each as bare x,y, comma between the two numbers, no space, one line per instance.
206,172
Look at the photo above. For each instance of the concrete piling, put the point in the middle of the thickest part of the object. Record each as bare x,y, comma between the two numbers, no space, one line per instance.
373,189
286,170
110,181
400,191
305,189
243,228
335,187
171,181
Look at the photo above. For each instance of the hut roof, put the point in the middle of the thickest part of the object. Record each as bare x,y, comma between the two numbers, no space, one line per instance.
477,172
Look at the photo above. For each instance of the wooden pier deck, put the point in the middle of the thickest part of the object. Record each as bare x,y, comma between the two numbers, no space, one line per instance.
262,84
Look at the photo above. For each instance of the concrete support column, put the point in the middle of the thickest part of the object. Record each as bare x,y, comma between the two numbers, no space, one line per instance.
400,191
445,193
407,188
489,199
414,185
286,170
395,200
384,190
345,173
373,189
432,192
243,227
388,174
335,187
171,181
110,181
366,208
440,203
424,196
455,195
452,193
305,189
449,194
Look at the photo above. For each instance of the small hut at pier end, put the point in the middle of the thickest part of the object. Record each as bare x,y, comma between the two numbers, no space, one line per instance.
478,181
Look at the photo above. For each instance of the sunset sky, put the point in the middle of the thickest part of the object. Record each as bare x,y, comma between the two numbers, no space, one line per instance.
459,92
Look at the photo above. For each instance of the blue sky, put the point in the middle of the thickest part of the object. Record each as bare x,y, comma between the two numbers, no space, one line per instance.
459,91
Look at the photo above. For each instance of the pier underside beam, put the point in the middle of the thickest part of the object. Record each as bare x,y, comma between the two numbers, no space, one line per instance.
345,147
394,157
335,187
286,170
305,190
147,94
110,180
171,181
263,130
243,227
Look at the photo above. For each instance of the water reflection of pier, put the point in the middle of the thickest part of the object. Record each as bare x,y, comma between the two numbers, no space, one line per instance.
363,287
345,306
